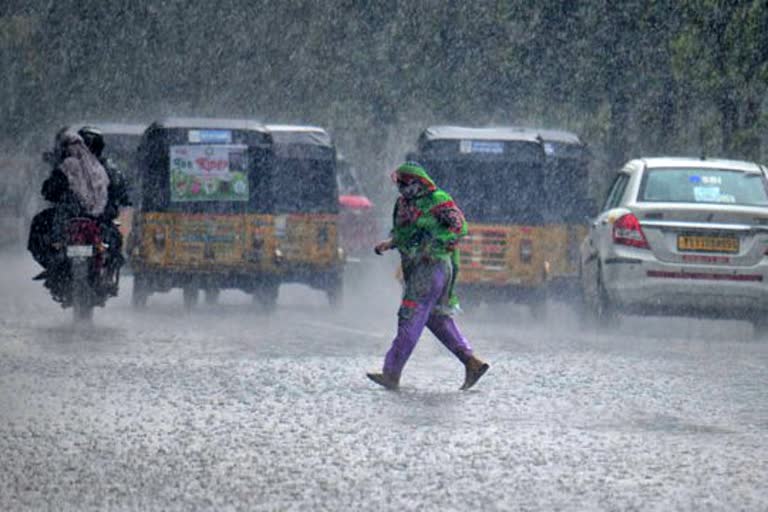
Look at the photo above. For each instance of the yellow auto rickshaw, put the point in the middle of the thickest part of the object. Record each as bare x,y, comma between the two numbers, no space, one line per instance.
568,207
520,240
305,202
204,216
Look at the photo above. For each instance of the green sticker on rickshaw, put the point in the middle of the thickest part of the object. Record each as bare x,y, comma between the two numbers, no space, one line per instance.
208,173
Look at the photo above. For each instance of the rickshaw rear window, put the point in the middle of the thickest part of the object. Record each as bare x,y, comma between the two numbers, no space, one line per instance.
209,173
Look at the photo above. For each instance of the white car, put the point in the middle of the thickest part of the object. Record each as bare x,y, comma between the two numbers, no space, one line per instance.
680,236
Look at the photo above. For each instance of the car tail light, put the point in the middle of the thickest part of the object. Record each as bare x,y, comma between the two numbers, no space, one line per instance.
526,250
627,231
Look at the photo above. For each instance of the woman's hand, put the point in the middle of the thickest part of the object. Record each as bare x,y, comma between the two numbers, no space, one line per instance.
383,246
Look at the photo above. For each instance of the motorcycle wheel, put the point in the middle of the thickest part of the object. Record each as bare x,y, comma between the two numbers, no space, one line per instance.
82,306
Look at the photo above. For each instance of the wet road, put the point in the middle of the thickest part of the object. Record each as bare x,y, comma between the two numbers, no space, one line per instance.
230,409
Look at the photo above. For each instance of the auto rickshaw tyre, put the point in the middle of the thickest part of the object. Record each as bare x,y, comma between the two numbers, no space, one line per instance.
212,296
469,303
538,305
266,296
335,294
190,295
759,326
140,292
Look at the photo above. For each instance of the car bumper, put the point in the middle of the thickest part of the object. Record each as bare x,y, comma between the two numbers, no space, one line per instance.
636,283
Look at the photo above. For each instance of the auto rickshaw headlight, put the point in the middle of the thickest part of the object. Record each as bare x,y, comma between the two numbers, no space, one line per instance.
340,253
278,256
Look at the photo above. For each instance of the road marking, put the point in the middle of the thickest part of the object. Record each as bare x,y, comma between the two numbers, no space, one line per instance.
342,328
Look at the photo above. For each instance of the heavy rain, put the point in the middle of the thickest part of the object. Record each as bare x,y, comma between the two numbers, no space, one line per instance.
190,198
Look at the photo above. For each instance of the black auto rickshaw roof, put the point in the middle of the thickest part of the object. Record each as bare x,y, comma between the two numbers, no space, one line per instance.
561,136
301,141
299,134
503,142
212,123
501,133
114,128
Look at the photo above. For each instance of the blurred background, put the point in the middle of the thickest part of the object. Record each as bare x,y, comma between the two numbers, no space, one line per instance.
648,78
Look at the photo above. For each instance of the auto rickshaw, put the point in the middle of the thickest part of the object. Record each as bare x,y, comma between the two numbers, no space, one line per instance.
501,179
204,218
568,207
306,208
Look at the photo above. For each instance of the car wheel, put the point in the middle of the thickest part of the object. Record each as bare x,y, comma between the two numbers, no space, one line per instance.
599,308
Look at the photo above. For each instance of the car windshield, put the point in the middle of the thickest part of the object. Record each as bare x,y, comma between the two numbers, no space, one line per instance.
694,185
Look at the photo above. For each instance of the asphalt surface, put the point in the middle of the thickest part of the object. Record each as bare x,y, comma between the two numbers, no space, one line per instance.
227,408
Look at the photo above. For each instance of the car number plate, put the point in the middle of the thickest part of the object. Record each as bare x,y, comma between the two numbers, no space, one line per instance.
707,243
79,251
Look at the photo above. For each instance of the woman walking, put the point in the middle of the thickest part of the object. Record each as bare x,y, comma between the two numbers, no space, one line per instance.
427,226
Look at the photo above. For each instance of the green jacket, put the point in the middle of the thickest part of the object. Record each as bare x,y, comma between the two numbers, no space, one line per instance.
428,226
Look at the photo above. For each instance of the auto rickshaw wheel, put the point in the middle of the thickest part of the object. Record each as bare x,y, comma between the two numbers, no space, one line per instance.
335,292
265,295
190,295
212,296
759,323
140,292
538,306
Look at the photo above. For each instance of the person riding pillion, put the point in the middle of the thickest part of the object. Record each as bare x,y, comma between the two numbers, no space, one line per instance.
118,195
427,226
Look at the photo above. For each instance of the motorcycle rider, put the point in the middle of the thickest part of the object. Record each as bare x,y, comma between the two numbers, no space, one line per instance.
78,185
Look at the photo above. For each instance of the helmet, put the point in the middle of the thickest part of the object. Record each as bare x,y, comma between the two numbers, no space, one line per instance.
93,138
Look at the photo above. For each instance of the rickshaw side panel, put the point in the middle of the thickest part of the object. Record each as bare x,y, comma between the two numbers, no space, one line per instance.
310,240
212,243
503,255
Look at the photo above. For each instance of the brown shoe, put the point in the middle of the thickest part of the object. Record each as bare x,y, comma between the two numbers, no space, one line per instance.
475,368
391,382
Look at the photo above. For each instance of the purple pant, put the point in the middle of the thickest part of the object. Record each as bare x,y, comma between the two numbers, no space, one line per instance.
425,288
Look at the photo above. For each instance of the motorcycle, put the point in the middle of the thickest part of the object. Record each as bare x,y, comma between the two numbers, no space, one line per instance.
86,273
